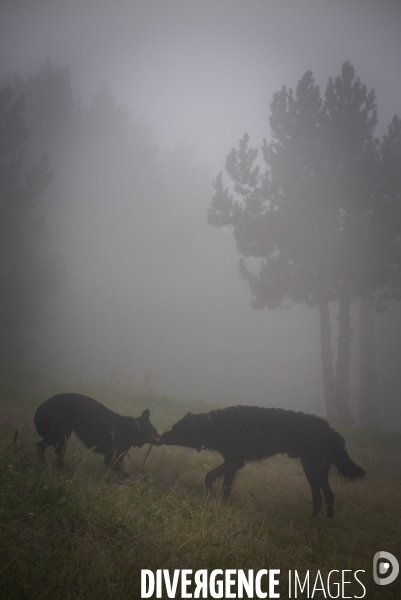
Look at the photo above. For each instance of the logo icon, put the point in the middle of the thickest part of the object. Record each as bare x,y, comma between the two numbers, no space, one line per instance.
385,564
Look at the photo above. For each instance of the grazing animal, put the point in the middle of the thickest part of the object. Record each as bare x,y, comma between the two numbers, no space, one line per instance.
250,433
97,427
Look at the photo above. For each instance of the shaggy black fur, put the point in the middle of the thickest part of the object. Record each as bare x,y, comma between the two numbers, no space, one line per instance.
251,433
97,427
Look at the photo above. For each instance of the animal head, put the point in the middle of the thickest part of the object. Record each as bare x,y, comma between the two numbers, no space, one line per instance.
192,431
146,433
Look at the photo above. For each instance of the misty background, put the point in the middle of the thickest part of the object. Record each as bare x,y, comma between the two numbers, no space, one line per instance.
137,104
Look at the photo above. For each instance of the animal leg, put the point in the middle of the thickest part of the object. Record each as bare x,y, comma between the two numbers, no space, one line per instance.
116,464
109,459
311,471
60,451
58,438
212,475
230,470
118,467
325,487
41,447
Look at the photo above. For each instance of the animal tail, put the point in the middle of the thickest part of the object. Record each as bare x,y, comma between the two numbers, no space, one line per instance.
344,464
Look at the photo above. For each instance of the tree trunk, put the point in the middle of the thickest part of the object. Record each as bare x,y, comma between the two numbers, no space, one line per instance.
327,361
343,358
367,407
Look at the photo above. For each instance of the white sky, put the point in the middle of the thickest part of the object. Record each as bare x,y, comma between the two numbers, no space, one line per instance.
204,71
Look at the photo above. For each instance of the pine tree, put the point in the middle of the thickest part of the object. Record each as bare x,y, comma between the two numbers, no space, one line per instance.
281,219
309,216
381,272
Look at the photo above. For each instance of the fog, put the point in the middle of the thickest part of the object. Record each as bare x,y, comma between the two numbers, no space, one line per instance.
153,295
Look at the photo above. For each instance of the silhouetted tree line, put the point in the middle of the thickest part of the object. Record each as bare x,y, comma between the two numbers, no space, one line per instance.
29,275
82,172
322,214
41,117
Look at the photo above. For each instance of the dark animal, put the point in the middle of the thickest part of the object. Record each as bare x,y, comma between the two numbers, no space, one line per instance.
250,433
97,427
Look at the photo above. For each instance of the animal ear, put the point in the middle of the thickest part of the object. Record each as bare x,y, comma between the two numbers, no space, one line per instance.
145,415
137,426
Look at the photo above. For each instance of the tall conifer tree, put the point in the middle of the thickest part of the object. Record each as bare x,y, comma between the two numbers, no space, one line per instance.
309,216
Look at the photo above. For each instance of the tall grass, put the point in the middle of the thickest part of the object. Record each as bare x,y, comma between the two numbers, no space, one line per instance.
76,533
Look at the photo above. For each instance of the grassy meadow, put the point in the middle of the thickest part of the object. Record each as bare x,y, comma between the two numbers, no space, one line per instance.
76,533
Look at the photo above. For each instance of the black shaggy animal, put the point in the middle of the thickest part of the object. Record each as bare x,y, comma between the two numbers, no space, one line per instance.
250,433
97,427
